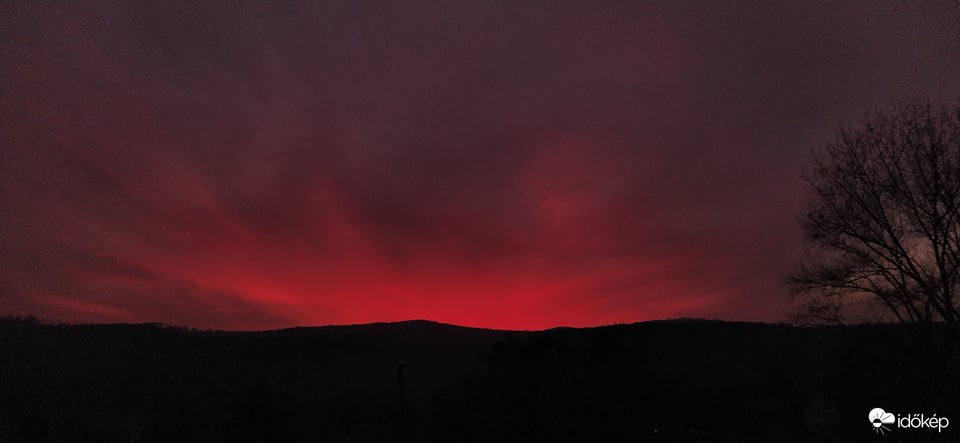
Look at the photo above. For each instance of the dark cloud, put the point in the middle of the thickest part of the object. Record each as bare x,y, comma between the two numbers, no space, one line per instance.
502,164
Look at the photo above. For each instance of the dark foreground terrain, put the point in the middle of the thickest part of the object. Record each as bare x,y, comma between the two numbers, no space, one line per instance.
683,380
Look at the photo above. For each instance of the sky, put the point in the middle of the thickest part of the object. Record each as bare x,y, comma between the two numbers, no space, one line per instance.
501,164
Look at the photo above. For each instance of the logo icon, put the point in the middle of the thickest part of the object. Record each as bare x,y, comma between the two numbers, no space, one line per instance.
879,418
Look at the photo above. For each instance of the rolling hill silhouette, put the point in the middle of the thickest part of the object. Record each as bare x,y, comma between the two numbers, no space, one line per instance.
680,380
410,331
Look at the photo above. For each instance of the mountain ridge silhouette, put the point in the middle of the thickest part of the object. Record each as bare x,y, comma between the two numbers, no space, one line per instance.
665,380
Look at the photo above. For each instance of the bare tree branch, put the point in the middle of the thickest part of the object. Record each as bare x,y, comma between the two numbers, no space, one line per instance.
884,215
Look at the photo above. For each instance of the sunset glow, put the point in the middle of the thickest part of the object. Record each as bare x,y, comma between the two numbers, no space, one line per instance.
257,166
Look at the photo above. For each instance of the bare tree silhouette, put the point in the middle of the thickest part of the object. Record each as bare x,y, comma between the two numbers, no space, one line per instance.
883,220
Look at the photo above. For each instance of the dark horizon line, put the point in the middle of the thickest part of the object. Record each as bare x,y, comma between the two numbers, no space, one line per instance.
52,322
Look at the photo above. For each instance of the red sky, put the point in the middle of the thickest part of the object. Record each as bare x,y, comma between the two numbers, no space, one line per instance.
498,164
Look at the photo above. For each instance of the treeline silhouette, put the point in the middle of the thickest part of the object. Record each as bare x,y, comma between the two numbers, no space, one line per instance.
682,380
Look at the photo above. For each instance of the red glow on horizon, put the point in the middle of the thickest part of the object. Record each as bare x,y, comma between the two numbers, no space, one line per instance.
497,165
353,281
